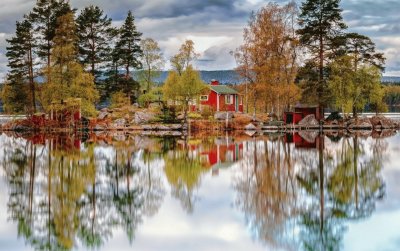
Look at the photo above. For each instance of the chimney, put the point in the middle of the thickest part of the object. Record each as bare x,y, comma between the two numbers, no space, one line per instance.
214,82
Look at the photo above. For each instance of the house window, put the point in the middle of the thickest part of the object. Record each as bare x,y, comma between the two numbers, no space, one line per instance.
241,100
228,99
204,97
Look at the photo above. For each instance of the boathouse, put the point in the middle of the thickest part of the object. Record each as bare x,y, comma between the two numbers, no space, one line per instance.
300,112
222,98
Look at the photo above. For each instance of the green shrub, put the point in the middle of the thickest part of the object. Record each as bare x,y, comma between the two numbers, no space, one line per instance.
145,99
119,99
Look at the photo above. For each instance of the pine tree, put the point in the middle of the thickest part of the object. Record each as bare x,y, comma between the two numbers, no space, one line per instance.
321,22
44,19
67,78
363,51
94,32
127,53
128,47
15,95
20,61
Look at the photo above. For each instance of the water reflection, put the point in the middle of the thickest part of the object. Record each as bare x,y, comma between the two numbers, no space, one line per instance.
297,191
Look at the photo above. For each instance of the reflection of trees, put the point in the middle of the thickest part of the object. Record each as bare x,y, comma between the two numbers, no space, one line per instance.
267,192
304,197
71,172
183,169
355,185
59,192
135,184
340,185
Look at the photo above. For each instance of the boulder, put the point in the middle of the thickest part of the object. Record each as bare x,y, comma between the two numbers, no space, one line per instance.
250,127
99,127
175,127
223,115
119,123
382,122
103,115
163,128
250,133
309,136
147,127
360,123
309,120
20,128
143,117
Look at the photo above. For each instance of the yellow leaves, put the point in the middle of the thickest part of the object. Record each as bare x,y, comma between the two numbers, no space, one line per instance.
181,61
268,57
183,87
66,77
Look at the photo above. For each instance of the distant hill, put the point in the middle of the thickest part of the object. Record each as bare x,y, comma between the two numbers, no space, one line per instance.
231,77
224,77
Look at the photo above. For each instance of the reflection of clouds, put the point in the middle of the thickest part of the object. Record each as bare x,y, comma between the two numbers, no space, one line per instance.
391,175
214,225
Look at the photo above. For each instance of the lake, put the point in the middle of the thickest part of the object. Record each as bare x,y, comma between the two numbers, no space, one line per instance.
295,191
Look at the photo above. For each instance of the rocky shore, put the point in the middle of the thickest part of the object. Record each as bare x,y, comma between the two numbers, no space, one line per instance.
146,121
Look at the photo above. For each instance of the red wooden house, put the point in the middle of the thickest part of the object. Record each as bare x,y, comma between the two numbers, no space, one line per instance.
222,98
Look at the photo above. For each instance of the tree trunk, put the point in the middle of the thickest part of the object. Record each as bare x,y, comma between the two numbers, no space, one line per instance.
321,180
321,73
31,80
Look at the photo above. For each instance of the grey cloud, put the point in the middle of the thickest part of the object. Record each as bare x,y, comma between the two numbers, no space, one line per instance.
171,21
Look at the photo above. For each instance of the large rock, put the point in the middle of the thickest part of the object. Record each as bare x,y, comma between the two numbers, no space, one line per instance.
175,127
103,115
309,136
143,117
359,123
250,127
309,120
381,122
119,123
223,115
100,127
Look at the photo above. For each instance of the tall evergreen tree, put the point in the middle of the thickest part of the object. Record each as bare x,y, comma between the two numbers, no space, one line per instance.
321,22
20,61
363,51
128,45
127,53
44,18
94,33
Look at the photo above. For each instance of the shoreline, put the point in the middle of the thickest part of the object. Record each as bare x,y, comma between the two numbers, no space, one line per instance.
235,124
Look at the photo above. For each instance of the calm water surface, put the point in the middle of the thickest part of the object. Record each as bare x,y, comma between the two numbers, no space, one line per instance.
269,192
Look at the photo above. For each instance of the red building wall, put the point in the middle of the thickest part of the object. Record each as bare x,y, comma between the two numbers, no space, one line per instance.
213,101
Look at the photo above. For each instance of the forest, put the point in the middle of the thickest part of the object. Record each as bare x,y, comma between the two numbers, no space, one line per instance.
290,55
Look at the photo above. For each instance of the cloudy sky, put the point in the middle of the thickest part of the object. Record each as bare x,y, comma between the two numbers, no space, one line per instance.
216,25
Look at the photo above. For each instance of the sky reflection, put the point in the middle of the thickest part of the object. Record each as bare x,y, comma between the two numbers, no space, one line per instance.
270,192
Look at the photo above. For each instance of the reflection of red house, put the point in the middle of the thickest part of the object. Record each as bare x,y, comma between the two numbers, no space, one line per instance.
222,98
223,153
300,142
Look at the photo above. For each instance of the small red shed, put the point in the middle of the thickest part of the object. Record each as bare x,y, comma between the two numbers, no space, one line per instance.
300,112
222,98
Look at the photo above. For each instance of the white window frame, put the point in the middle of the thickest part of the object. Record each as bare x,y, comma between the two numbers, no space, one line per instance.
230,99
201,98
